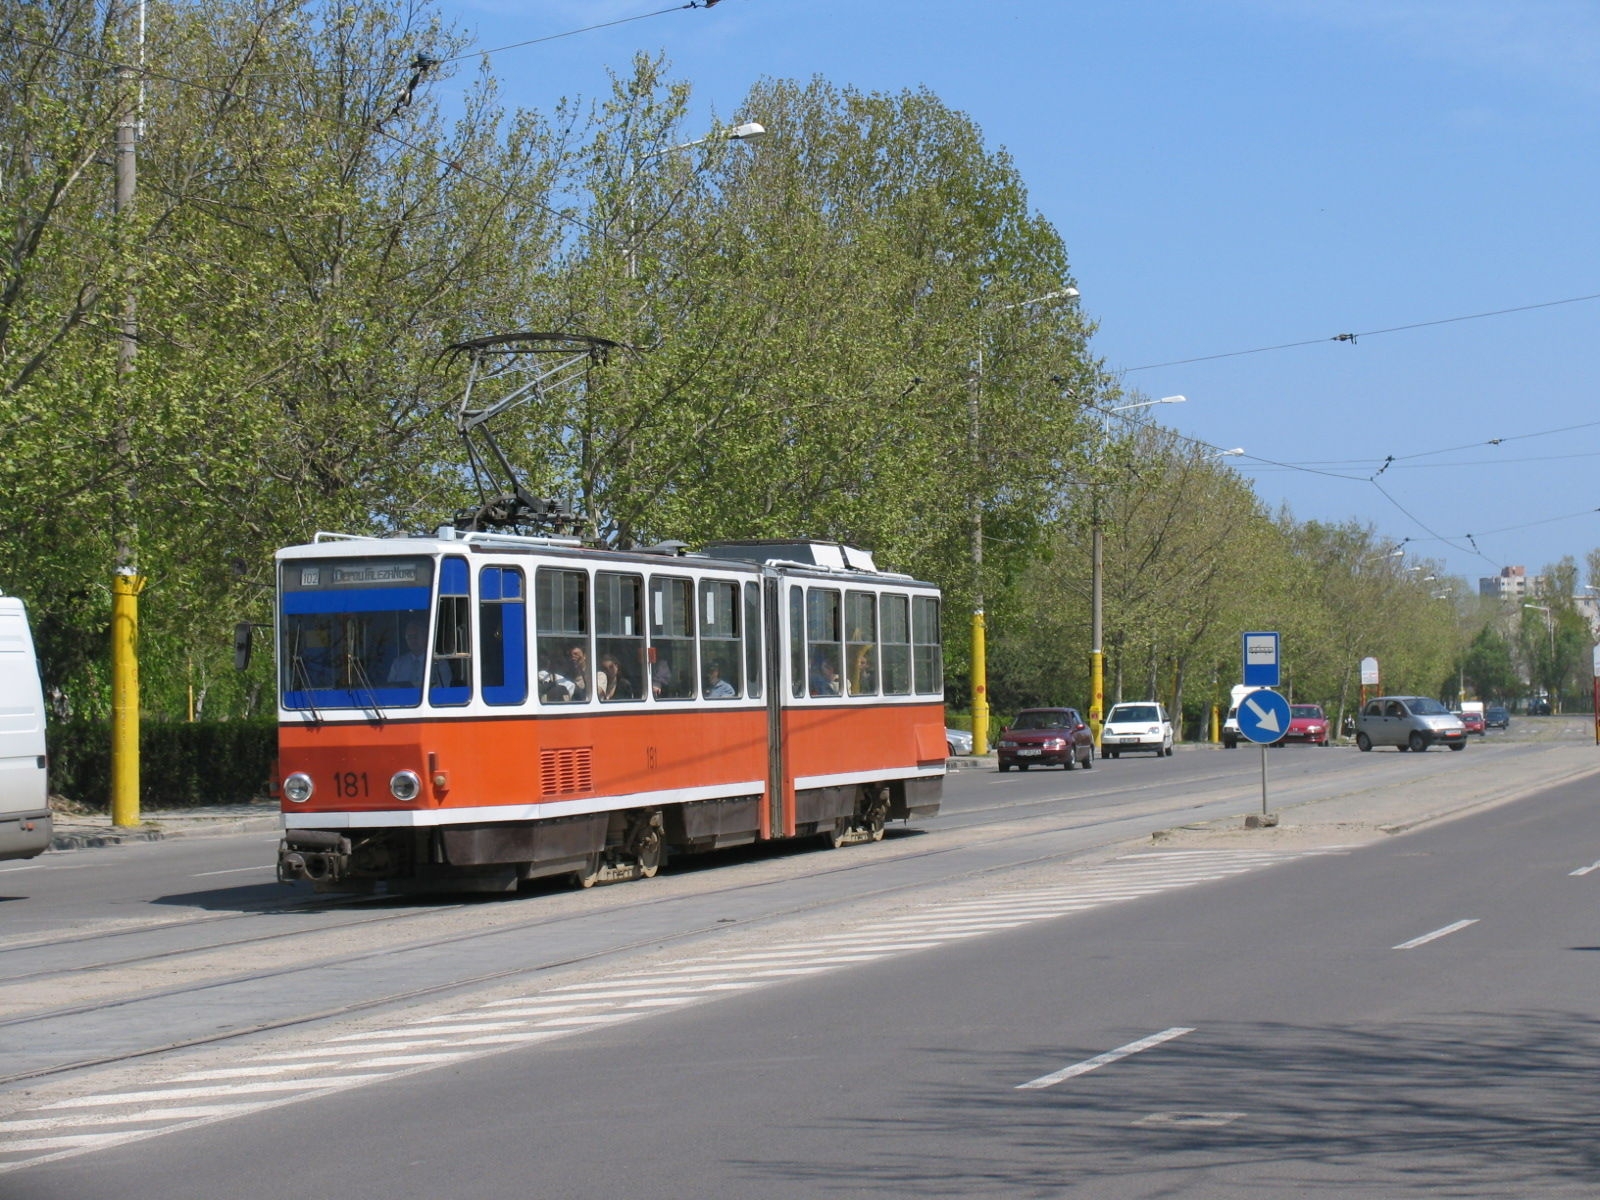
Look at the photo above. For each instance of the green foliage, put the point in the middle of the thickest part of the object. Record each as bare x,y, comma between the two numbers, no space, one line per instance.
181,764
852,330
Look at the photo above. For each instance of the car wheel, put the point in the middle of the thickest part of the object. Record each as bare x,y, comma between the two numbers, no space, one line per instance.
1169,752
1004,767
1070,761
1088,760
1114,753
1459,746
1363,742
1023,766
1417,742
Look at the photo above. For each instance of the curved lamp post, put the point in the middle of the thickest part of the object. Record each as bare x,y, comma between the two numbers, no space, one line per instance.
980,654
1097,658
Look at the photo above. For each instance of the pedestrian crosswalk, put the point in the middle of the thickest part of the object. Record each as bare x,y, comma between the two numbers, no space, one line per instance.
61,1128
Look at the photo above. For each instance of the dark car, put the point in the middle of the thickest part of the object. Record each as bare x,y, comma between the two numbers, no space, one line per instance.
1496,717
1308,724
1057,736
1473,721
1538,708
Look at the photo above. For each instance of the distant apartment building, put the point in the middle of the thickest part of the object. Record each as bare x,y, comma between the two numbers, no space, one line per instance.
1513,583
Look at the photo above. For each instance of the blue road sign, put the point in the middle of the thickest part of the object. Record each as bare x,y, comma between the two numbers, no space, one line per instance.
1263,716
1261,660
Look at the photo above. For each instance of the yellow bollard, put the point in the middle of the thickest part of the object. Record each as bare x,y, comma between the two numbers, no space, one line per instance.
980,685
125,589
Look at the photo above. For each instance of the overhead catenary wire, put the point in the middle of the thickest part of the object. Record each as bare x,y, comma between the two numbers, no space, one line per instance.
1353,338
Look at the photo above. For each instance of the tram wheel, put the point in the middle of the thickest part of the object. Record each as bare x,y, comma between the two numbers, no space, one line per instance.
588,874
839,834
651,853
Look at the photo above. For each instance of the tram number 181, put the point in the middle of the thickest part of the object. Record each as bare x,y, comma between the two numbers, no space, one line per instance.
350,784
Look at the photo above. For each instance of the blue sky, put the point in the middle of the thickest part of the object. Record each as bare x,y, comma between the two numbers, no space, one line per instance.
1234,175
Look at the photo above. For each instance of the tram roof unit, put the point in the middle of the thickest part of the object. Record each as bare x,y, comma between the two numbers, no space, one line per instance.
810,555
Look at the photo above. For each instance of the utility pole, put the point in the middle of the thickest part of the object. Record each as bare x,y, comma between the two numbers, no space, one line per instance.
126,581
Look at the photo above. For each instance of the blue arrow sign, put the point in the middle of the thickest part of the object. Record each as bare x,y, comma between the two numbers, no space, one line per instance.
1263,716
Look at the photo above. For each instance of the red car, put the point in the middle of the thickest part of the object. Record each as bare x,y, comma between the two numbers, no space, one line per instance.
1307,724
1055,736
1474,722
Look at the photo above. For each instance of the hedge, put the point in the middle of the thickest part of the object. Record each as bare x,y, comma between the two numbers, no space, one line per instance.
181,764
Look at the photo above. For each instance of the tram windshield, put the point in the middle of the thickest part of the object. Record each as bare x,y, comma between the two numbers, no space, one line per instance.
354,633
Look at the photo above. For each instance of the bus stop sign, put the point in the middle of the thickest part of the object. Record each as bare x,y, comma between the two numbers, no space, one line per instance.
1261,660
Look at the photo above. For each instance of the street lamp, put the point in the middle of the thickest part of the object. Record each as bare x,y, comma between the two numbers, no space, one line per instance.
980,656
748,132
1550,623
1097,658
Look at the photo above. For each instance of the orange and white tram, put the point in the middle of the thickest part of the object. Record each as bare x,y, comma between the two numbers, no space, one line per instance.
470,710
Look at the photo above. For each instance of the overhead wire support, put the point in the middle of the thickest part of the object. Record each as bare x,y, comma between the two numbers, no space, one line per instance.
537,366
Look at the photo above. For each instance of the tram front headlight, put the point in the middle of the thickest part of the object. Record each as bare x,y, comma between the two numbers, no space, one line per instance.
298,787
405,785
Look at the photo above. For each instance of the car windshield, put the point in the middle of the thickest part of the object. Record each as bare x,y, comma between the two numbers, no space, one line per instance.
1310,711
1133,712
1422,706
1041,720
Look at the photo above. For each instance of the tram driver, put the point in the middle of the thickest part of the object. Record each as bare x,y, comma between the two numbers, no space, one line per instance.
410,666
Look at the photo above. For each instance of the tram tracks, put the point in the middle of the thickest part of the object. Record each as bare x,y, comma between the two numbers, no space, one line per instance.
620,912
600,918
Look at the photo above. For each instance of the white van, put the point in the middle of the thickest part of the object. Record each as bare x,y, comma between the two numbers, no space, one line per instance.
25,826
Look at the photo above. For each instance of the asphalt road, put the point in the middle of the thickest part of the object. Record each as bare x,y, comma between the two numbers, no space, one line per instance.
1210,1012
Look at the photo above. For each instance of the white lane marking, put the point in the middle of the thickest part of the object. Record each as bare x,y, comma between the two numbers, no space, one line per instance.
1110,1056
1437,933
1594,866
235,870
39,1124
202,1093
1192,1120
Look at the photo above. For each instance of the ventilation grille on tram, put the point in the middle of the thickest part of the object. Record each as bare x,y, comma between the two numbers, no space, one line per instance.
567,772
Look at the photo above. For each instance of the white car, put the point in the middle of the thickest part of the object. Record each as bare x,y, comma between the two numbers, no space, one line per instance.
957,741
1141,725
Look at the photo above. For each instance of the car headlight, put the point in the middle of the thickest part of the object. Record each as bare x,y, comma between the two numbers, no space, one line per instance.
1007,745
405,785
298,787
1055,744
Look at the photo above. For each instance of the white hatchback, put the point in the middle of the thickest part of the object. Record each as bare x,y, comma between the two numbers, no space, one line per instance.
1141,725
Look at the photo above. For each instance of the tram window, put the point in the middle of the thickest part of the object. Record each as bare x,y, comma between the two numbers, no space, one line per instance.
823,641
927,656
503,635
896,611
619,636
672,667
561,639
752,639
451,674
797,641
719,638
343,631
861,643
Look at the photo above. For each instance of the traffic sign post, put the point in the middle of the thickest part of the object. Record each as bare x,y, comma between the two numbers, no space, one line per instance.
1259,717
1263,718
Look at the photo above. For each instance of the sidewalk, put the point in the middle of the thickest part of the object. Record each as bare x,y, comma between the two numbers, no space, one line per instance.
76,831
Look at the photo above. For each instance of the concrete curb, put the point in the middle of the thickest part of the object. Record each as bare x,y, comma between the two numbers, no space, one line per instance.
77,834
